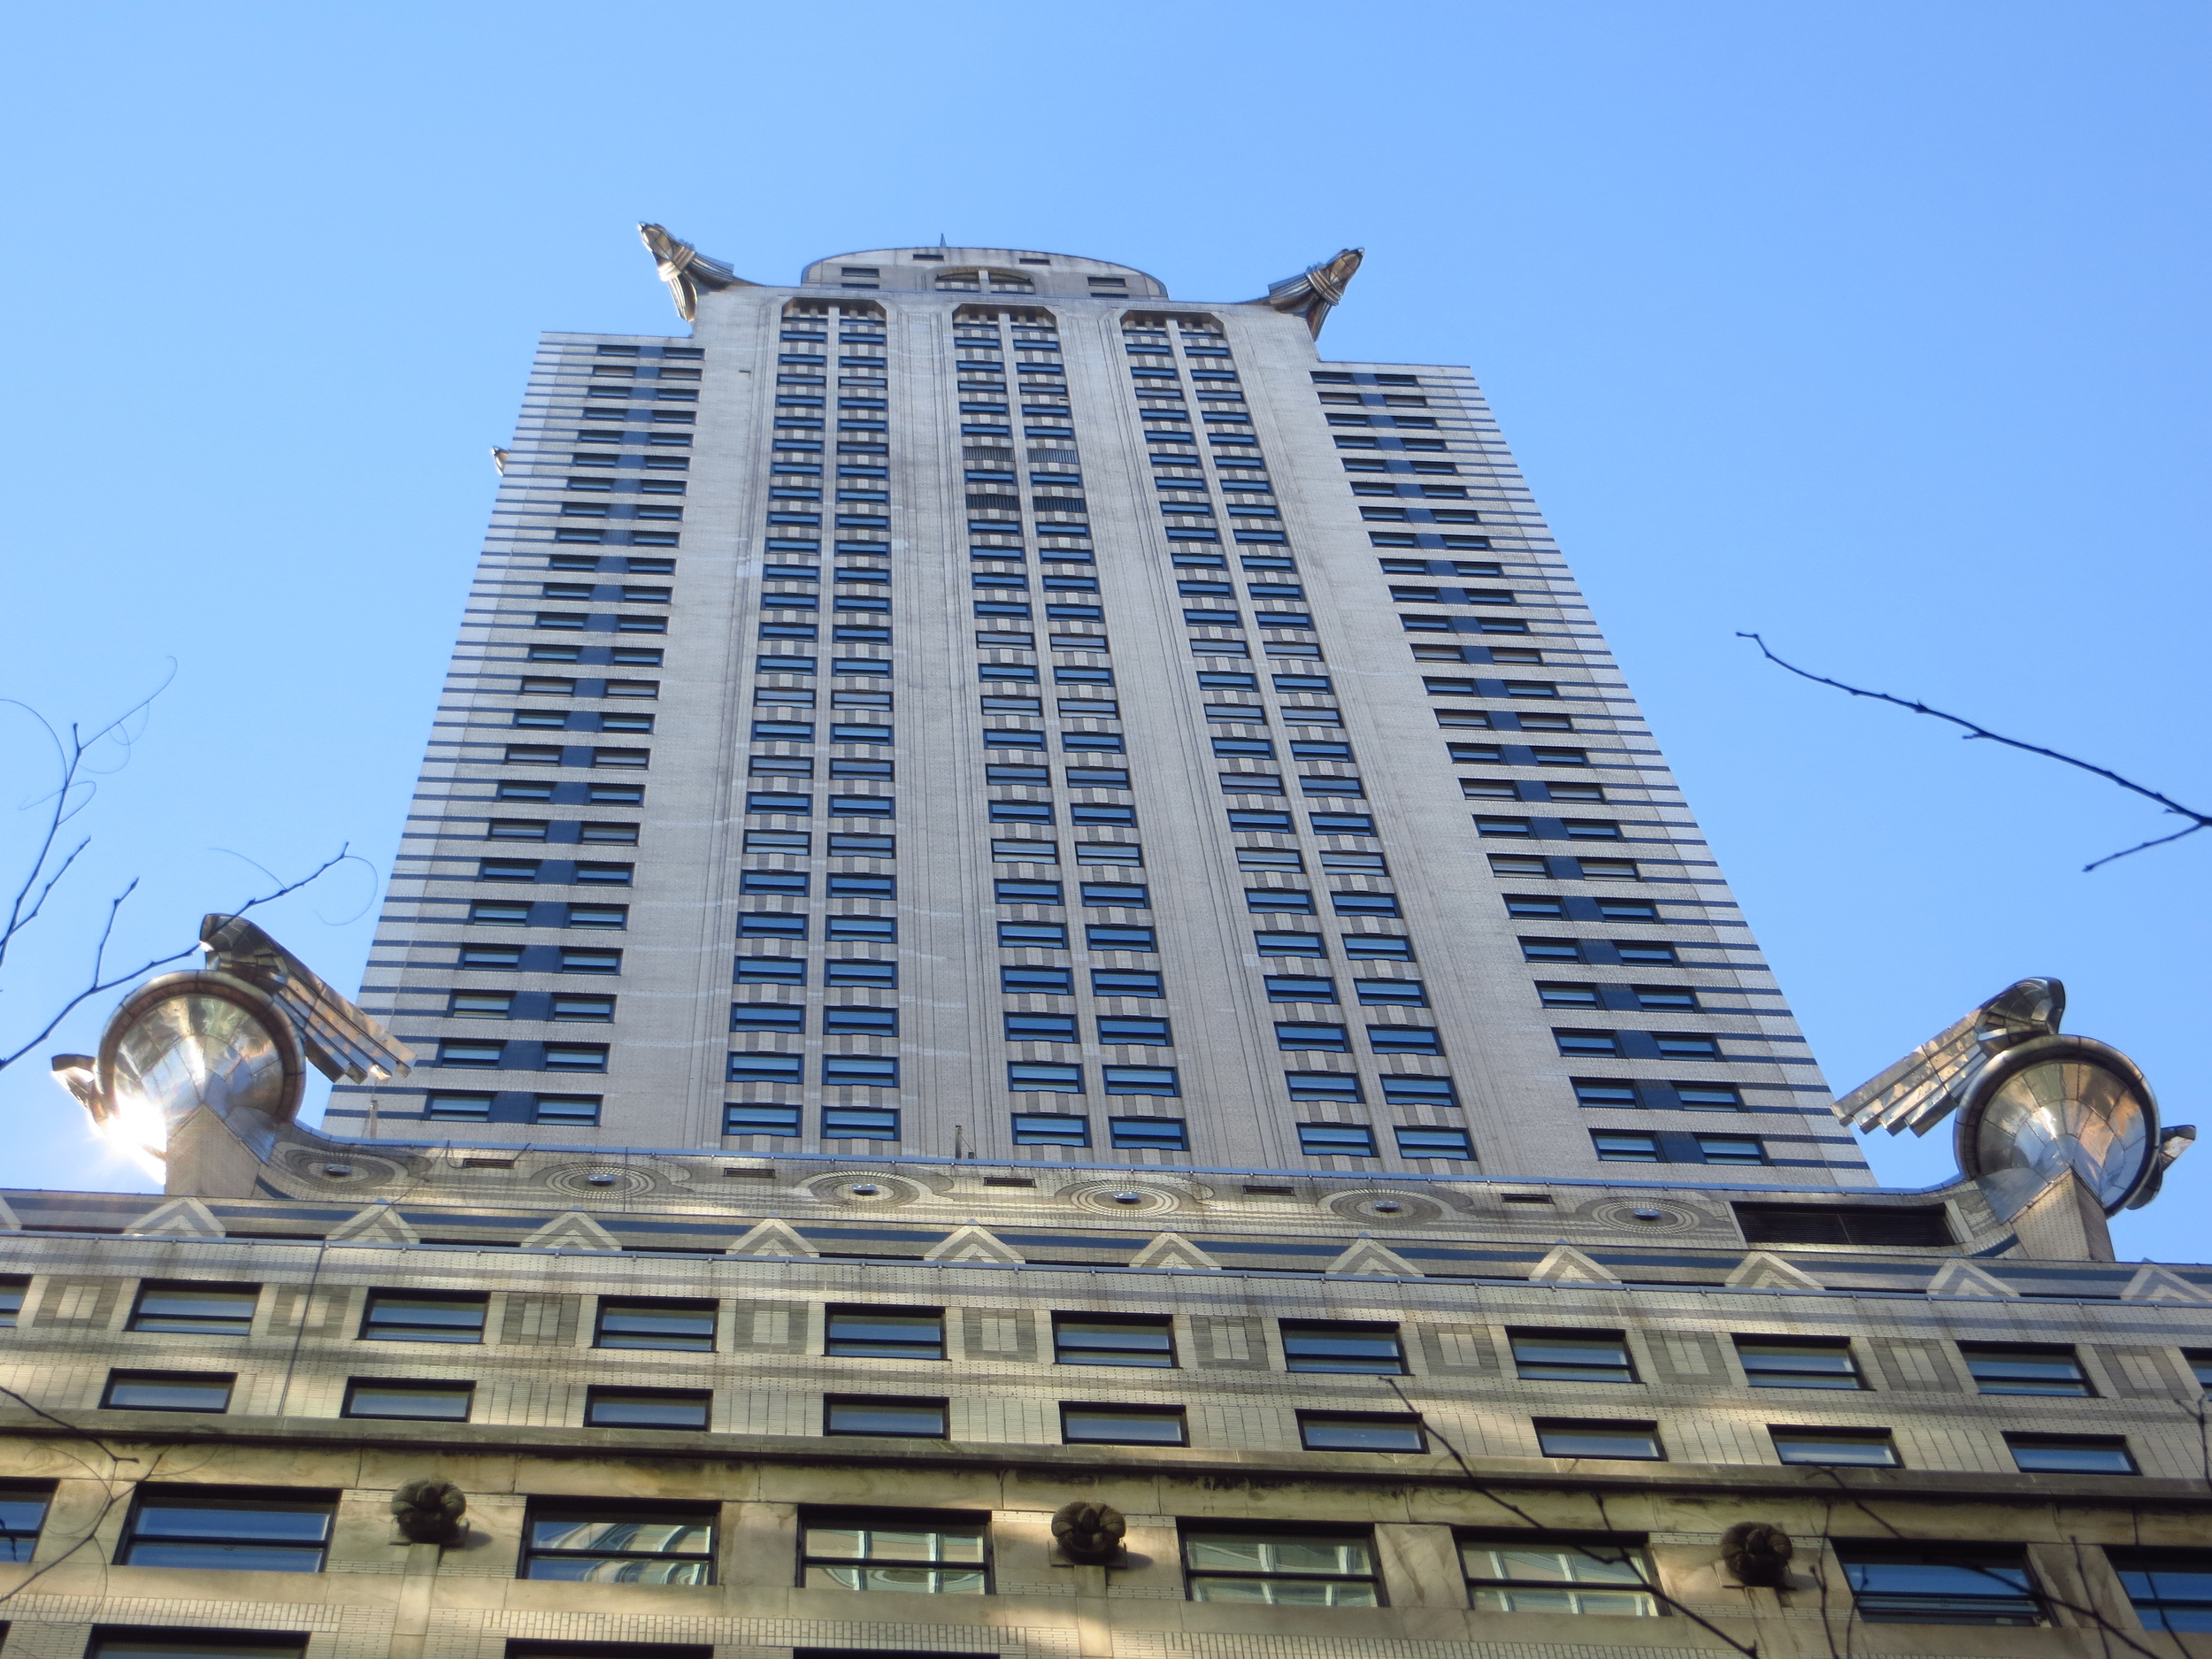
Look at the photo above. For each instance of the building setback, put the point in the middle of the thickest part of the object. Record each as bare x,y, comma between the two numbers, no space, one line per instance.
1078,1087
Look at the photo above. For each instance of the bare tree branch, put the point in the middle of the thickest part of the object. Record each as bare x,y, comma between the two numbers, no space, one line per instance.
71,796
99,954
72,792
2198,820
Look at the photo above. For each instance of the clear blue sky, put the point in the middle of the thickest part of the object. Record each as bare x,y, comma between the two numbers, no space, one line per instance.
1880,328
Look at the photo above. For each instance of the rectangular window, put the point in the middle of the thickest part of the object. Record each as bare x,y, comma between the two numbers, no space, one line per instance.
168,1391
396,1316
1576,1043
1867,1449
1918,1225
1786,1361
1038,1077
1544,1356
1141,1340
1051,1129
1732,1148
2169,1589
1360,1431
619,1543
1593,1090
1344,1347
646,1408
760,1120
457,1108
1709,1096
236,1528
2071,1454
2009,1368
422,1402
195,1642
1960,1584
1400,1090
1160,1134
666,1323
1396,993
23,1513
196,1309
1343,1140
1621,1147
1596,1576
859,1124
1127,982
1288,1568
849,1070
861,1333
1574,1437
470,1054
884,1550
765,1068
1140,1079
1417,1141
1123,1426
885,1415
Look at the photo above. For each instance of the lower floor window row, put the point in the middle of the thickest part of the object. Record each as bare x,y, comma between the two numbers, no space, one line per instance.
951,1553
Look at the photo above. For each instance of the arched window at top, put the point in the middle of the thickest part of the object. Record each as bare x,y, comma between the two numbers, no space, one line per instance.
1162,322
1027,326
975,281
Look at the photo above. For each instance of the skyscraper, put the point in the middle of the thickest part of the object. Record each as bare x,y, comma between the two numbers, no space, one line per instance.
1121,811
971,702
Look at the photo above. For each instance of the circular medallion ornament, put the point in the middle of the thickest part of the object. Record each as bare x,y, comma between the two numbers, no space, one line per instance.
1125,1198
1641,1215
348,1169
2059,1105
1390,1209
862,1189
598,1181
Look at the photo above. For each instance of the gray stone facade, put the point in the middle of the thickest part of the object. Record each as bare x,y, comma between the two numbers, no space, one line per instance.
1237,1281
653,1314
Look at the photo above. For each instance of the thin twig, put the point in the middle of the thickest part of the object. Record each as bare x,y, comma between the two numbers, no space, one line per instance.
2037,1588
99,954
2198,820
1539,1528
68,802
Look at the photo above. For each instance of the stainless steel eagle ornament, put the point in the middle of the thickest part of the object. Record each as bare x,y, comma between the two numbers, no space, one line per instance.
236,1037
2033,1107
1314,292
687,272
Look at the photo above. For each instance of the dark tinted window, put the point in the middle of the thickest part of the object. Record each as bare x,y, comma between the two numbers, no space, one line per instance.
1922,1225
